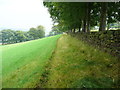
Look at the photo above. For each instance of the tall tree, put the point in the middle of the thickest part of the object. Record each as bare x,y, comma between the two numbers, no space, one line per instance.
20,37
33,33
41,31
103,16
37,33
72,15
7,36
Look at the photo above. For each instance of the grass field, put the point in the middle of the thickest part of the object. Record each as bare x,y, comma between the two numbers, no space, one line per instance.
66,63
77,65
23,63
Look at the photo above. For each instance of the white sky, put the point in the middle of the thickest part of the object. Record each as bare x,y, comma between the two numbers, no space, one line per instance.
24,14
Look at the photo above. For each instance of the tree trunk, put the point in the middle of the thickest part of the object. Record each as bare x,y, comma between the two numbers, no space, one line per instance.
108,26
118,25
85,18
84,25
103,16
74,30
88,16
79,29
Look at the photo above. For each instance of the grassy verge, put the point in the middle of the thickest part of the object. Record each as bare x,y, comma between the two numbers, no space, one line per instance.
24,63
78,65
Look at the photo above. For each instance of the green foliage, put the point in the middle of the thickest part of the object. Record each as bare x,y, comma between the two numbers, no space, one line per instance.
64,13
113,12
38,32
55,30
74,15
10,36
20,37
33,33
41,31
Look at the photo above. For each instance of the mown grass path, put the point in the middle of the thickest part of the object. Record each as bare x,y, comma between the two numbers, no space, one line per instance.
23,63
76,65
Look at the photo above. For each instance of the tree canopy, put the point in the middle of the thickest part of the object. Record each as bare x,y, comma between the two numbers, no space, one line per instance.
10,36
83,15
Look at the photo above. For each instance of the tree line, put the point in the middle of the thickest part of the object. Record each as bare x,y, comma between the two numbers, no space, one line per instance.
55,31
9,36
82,16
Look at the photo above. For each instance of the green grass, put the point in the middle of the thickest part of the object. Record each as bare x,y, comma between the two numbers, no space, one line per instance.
23,63
76,64
72,64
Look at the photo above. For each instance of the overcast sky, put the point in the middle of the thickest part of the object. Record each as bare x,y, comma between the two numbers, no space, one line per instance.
23,14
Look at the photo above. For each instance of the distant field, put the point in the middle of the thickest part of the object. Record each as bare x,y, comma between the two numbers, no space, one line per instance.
23,63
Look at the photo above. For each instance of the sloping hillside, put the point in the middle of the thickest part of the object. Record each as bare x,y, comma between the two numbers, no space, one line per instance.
75,64
23,63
